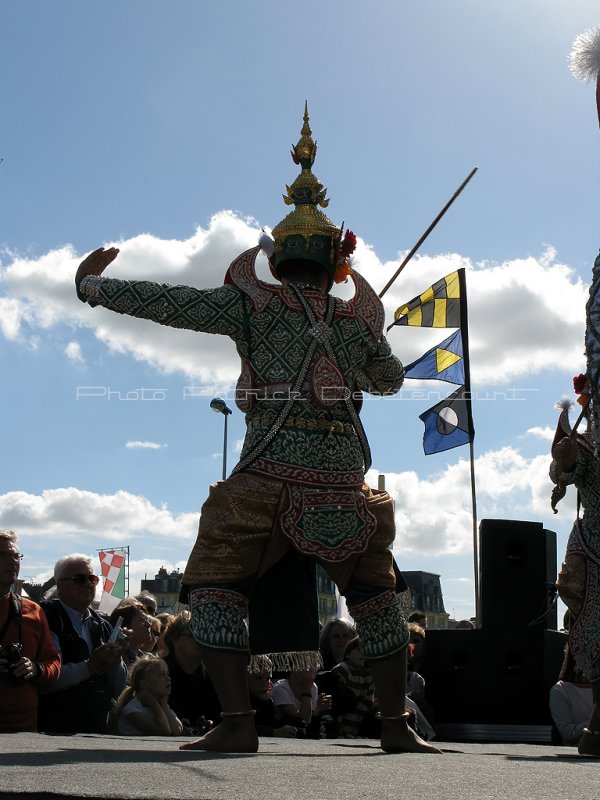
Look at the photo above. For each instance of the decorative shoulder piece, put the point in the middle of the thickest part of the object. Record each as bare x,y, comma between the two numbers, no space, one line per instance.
367,305
242,273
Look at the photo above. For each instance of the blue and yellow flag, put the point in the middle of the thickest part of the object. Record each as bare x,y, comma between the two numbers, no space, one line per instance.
444,362
448,424
436,307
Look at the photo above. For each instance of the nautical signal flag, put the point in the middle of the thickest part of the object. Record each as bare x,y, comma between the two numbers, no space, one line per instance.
436,307
448,424
444,362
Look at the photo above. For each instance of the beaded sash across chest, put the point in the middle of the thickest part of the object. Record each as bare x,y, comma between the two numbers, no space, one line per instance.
320,332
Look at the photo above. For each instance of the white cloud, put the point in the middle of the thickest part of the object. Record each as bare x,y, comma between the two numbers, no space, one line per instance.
73,353
516,325
546,433
11,313
145,445
44,291
81,515
434,514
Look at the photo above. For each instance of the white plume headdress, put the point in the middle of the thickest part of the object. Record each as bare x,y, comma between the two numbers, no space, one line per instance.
584,60
267,243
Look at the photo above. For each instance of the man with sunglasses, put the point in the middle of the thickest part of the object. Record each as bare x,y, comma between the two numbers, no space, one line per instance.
93,671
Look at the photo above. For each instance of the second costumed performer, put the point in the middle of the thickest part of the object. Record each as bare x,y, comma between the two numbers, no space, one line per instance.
576,460
297,496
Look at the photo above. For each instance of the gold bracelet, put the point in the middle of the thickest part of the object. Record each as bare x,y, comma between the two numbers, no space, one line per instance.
404,715
591,733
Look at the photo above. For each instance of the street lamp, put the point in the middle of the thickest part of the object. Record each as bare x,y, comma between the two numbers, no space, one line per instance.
220,407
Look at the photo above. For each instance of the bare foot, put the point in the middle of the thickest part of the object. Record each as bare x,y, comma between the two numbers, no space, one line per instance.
229,737
589,744
398,737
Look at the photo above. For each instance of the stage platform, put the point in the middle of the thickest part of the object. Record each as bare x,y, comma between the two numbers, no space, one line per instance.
36,766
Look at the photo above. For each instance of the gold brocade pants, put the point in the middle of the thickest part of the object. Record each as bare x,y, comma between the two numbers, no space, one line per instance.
240,539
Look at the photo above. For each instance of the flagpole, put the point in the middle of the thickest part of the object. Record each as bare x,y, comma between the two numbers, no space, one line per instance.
428,231
475,538
464,327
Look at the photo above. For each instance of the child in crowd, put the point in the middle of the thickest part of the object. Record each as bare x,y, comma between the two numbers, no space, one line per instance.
356,676
261,689
298,703
164,620
415,683
142,708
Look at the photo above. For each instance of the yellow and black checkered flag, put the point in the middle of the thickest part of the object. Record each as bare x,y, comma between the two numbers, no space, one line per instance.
438,307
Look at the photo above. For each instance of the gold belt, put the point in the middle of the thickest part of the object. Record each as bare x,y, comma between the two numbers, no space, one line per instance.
330,425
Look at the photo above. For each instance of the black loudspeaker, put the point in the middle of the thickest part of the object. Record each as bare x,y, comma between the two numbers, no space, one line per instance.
492,677
518,574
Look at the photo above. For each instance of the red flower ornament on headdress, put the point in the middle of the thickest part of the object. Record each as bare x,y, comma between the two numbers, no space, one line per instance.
581,386
348,246
345,250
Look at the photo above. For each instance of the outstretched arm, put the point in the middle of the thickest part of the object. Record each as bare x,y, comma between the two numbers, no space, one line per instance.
218,310
95,263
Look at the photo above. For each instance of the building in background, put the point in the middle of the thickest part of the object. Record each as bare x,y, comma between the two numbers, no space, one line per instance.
165,586
326,596
426,593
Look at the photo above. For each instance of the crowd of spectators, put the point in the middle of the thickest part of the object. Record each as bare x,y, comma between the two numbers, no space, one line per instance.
137,673
65,668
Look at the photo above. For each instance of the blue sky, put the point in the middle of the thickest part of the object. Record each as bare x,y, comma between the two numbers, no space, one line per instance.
167,129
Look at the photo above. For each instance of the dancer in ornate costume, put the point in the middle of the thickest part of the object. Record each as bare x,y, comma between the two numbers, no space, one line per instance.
297,495
577,460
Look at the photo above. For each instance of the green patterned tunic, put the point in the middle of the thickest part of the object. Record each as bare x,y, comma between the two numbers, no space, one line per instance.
317,445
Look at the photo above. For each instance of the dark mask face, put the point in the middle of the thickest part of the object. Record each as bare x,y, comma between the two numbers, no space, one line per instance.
314,248
301,270
312,252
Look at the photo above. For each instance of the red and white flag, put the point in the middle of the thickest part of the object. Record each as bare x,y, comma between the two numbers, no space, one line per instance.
112,568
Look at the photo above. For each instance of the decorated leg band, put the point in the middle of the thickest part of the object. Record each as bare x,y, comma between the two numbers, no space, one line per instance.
381,626
290,661
219,619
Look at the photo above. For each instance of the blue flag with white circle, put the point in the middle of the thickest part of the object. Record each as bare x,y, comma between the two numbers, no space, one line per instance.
448,424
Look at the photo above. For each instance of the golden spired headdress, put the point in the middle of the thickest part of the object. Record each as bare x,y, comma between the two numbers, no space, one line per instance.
306,233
